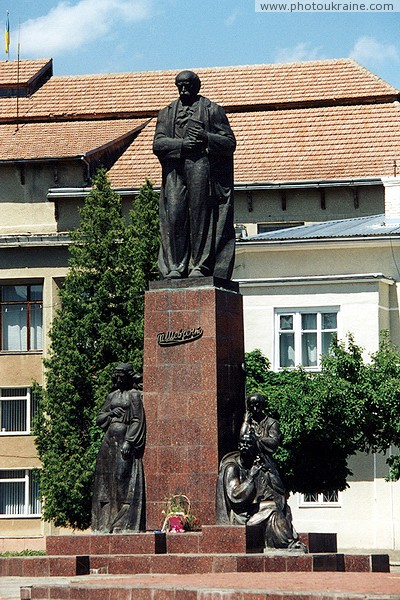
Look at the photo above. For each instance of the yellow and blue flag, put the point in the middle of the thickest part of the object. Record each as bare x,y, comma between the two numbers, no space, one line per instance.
7,35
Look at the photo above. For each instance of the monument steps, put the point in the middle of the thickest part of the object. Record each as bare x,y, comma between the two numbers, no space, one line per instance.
229,586
237,563
215,549
129,564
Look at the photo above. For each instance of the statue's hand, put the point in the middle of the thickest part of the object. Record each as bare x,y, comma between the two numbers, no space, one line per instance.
197,134
189,144
200,135
255,469
118,411
126,450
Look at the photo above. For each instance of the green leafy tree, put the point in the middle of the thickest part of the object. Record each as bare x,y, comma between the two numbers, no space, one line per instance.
100,323
381,420
327,417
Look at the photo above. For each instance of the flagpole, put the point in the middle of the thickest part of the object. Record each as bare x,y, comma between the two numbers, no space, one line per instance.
7,36
18,61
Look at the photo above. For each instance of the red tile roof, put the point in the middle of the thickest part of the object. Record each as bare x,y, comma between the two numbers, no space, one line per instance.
127,94
61,140
321,143
292,145
313,120
23,72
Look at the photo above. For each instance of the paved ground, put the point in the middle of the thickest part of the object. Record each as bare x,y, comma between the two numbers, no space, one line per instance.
377,585
10,586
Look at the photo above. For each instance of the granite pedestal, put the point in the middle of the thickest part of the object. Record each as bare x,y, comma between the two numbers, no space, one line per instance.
194,389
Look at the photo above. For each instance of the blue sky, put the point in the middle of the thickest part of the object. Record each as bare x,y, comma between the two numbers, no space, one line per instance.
94,36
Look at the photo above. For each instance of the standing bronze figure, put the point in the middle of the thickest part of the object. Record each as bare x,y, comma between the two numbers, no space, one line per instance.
249,489
119,486
195,145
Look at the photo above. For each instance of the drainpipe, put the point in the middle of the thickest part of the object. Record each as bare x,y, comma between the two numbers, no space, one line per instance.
375,498
392,509
83,159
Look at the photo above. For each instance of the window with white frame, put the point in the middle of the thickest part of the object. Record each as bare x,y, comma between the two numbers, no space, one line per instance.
19,493
21,317
324,499
303,336
17,410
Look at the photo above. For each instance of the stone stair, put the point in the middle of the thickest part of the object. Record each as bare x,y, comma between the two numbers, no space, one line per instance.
215,549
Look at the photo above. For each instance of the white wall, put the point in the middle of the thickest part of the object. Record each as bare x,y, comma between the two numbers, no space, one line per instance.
367,515
358,305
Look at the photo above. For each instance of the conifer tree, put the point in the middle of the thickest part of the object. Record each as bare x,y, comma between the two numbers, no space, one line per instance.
99,324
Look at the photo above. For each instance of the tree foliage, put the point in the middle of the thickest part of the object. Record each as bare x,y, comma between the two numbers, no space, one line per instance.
327,417
99,324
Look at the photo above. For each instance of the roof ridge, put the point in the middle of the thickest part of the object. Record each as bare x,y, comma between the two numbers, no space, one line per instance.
24,60
210,68
372,75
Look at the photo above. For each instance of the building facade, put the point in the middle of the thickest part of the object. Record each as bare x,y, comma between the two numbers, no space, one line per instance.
316,142
292,307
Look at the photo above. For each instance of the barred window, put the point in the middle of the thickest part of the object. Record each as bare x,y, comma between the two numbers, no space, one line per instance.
331,498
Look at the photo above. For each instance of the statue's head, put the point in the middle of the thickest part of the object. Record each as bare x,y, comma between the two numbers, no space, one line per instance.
123,376
188,84
247,446
138,381
255,405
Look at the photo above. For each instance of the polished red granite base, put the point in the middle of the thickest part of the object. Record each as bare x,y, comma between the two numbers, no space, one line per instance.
226,586
193,391
211,539
216,549
319,542
44,566
130,564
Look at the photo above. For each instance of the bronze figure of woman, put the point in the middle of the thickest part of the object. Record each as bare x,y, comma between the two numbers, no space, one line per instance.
119,487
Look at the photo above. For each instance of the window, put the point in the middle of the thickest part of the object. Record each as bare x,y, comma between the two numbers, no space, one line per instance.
240,231
19,493
303,336
267,227
325,499
21,317
17,410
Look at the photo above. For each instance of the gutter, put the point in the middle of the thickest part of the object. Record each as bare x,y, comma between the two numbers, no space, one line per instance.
82,192
39,160
318,240
312,183
315,279
239,187
33,241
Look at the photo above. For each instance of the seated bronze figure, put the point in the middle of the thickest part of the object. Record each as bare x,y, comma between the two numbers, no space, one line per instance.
249,489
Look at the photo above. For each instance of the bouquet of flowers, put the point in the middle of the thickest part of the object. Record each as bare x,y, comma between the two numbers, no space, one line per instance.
178,516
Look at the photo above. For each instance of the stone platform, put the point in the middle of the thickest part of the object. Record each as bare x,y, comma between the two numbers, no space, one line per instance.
216,549
226,586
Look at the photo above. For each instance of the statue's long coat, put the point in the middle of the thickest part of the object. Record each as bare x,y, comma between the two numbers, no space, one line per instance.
218,241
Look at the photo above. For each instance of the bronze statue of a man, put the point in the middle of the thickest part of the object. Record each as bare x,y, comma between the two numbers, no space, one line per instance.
249,489
195,145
